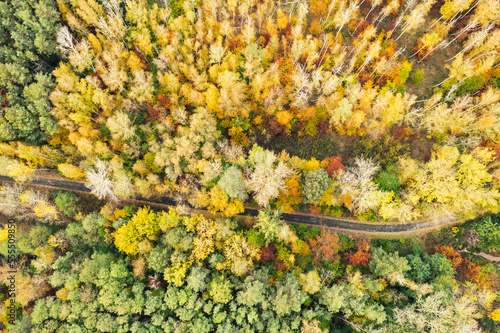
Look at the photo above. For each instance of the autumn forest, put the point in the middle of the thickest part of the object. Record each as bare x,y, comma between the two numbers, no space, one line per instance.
369,111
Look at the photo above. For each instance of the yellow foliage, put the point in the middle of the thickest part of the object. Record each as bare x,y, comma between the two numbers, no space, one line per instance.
45,211
134,62
140,167
107,210
239,255
203,243
58,241
300,247
145,222
34,155
62,294
329,198
46,256
4,311
20,171
94,42
190,222
127,239
311,165
495,315
217,201
212,98
168,220
84,145
257,120
74,137
282,20
4,235
176,273
310,282
142,225
70,171
485,154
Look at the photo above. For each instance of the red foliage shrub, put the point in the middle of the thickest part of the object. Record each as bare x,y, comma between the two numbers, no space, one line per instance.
322,125
360,257
325,246
153,113
314,209
297,127
451,254
469,270
279,266
334,165
267,253
362,26
154,282
274,127
164,101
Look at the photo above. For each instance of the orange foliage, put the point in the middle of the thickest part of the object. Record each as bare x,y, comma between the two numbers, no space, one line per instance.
291,197
451,254
361,257
314,209
286,70
284,117
319,8
315,29
346,200
469,270
334,165
307,114
325,246
488,279
238,136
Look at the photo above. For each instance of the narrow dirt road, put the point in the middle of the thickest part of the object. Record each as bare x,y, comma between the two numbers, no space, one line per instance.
316,220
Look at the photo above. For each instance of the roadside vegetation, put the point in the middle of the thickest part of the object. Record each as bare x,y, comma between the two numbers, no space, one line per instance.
234,103
119,268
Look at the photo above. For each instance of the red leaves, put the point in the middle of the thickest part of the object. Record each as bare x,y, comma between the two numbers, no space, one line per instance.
314,209
325,246
451,254
267,253
469,270
362,256
334,165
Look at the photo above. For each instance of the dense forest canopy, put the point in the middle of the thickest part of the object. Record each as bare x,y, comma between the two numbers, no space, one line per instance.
372,110
157,97
95,267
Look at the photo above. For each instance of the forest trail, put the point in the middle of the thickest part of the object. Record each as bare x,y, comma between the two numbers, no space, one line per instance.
368,229
486,256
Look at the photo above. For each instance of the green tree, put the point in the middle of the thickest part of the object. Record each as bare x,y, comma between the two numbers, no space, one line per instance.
269,223
315,184
288,296
232,183
382,263
418,76
27,56
220,289
420,269
67,203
